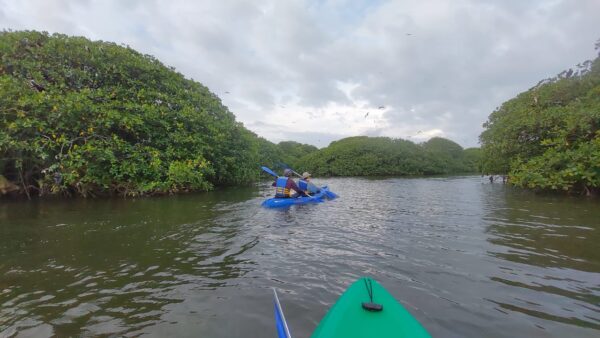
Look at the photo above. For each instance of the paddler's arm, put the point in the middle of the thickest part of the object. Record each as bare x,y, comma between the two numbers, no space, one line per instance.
293,186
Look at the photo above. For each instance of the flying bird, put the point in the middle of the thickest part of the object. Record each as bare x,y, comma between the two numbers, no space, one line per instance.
367,114
226,92
381,107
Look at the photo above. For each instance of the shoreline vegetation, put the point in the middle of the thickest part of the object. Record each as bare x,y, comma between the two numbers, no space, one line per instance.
383,156
548,137
93,118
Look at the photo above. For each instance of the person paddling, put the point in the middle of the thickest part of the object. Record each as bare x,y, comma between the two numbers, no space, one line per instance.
285,184
306,185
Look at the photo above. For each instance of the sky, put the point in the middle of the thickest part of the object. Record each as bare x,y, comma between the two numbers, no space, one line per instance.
318,71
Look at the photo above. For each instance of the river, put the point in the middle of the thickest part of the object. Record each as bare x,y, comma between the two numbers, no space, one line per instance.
467,258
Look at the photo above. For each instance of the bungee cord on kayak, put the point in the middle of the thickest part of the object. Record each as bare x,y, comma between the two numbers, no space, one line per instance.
370,306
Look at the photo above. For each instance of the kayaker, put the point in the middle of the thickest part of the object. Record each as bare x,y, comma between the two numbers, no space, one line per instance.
306,185
284,186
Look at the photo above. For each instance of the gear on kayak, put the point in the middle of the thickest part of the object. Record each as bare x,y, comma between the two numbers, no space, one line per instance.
370,306
345,319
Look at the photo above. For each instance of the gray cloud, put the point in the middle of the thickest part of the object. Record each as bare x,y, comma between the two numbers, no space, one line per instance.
438,67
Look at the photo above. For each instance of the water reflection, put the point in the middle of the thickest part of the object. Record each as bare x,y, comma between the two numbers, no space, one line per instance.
552,242
112,266
466,258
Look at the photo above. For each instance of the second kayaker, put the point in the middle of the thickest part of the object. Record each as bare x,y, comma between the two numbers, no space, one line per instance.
306,185
284,185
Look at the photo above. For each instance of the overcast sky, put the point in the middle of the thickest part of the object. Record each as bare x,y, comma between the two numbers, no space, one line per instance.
317,71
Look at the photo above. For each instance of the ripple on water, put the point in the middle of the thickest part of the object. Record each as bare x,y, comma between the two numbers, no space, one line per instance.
467,259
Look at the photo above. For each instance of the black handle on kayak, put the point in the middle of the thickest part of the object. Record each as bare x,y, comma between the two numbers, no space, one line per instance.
372,307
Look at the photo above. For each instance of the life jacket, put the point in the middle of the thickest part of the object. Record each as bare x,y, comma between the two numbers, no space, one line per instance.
303,185
281,190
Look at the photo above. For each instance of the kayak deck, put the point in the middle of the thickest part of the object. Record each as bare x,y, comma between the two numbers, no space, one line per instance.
324,193
349,319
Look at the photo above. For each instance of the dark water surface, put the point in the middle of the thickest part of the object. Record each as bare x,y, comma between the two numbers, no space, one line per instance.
466,258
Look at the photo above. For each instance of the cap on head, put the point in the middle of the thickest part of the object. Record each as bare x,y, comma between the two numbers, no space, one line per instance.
306,174
287,172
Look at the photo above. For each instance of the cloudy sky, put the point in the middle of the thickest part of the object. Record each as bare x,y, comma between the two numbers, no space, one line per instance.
317,71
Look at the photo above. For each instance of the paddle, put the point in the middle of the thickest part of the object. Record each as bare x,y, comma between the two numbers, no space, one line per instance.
328,193
272,173
285,166
269,171
331,194
282,329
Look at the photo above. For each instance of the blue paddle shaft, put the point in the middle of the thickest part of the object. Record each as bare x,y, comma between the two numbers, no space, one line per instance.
269,171
282,329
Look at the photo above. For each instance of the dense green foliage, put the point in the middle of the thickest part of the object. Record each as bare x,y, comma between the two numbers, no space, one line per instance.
81,117
445,157
284,154
380,156
548,138
291,152
88,118
473,159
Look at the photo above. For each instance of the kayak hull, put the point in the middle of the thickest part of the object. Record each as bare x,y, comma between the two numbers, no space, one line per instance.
323,194
347,318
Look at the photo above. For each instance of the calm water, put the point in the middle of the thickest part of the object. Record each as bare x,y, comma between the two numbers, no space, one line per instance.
465,257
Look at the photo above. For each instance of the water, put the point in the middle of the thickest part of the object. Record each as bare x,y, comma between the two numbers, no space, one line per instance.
465,257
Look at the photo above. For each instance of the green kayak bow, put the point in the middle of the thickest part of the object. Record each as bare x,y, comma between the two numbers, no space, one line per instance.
364,310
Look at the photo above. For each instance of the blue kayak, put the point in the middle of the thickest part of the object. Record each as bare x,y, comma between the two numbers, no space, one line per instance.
323,194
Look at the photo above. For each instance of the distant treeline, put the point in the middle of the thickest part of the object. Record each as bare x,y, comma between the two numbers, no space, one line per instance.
380,156
284,154
92,118
548,138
